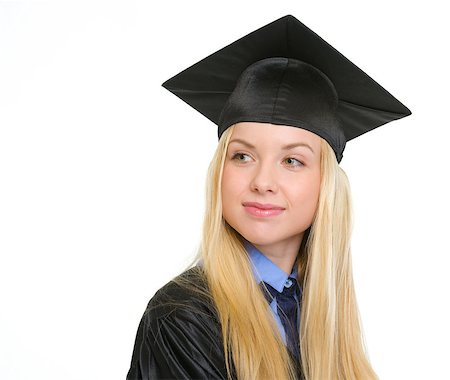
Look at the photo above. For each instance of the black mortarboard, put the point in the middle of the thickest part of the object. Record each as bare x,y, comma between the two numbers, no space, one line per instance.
284,73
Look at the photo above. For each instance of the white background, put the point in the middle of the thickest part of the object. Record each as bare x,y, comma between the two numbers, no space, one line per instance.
102,174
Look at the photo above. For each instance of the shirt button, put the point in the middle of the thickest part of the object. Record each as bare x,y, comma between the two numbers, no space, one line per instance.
288,283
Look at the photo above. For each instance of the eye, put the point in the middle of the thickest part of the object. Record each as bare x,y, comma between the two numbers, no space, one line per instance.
291,161
241,157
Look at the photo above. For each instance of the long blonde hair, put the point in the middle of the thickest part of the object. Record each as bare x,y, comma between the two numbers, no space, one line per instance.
332,346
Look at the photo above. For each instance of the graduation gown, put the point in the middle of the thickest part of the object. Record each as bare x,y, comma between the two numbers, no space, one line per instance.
179,336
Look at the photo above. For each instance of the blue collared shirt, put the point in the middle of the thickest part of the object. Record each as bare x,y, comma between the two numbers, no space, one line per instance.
265,270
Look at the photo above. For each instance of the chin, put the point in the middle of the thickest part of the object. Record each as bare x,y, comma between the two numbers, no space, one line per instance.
259,238
268,236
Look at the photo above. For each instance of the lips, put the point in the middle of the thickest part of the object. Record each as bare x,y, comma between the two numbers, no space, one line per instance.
262,210
261,206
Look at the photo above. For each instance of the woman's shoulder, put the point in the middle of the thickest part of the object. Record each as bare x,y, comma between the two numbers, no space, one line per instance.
179,335
186,295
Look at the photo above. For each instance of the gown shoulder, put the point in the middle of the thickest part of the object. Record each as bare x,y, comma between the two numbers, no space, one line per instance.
179,336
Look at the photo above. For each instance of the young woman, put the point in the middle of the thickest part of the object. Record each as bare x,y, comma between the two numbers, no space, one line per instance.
271,295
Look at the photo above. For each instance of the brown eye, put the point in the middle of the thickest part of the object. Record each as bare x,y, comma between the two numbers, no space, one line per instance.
241,157
293,162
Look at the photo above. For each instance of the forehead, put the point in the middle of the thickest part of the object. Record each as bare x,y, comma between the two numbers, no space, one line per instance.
255,133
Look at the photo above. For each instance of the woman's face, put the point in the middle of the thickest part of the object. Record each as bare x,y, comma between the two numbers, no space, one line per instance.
270,183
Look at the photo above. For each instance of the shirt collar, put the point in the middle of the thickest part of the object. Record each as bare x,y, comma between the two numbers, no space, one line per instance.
266,270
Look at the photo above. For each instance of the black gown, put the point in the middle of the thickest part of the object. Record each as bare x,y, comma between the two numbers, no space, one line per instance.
179,336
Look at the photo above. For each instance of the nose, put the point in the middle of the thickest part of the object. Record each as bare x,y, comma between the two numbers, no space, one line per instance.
264,179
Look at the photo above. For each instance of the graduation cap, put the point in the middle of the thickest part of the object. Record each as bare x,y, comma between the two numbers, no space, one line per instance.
284,73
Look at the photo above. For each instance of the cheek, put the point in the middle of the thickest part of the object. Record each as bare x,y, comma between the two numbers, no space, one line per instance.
233,183
305,196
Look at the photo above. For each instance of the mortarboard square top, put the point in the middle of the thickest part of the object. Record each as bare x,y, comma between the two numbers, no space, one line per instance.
284,73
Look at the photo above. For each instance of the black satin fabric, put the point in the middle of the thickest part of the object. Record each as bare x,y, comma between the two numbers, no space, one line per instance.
286,91
179,336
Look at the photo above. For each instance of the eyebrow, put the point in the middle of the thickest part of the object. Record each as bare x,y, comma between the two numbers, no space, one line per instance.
286,147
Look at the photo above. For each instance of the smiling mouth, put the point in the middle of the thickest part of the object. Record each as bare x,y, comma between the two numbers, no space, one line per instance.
262,210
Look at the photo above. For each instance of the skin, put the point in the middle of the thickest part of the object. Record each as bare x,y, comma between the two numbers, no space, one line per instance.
268,174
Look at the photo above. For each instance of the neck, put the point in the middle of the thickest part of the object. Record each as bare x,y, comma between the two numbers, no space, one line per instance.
283,253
